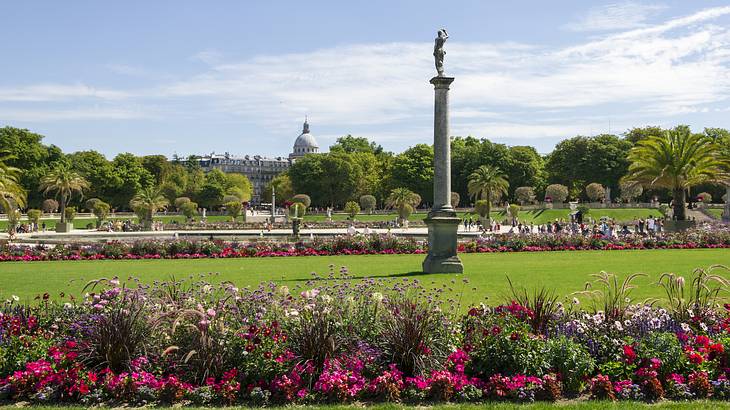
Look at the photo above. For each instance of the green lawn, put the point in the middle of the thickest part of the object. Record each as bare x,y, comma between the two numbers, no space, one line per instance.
716,212
566,272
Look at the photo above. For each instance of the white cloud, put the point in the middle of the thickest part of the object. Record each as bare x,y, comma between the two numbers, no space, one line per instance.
615,16
641,75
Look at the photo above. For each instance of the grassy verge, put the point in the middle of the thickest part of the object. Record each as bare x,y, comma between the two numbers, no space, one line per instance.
566,272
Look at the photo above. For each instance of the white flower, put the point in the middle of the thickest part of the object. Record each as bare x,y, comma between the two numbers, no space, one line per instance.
576,301
292,312
15,298
703,326
618,326
377,297
326,298
685,327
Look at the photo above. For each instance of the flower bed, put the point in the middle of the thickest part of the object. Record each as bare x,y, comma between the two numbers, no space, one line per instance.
357,245
345,341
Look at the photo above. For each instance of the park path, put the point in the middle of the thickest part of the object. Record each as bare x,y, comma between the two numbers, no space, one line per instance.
699,216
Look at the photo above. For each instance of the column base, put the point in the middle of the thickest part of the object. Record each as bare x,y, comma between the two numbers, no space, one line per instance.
726,214
442,257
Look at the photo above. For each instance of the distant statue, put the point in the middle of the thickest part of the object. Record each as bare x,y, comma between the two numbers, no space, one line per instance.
438,51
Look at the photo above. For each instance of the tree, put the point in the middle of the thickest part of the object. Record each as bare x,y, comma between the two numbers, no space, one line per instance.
239,185
577,161
230,198
27,152
524,167
98,171
350,144
329,179
12,195
368,203
525,195
677,160
64,183
413,169
49,206
130,178
487,183
595,192
556,193
635,135
34,216
404,201
352,209
630,191
157,166
282,186
455,199
89,204
101,211
13,219
234,208
513,210
146,202
302,199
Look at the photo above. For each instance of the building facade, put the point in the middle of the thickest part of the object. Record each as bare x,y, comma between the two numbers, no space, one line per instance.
261,170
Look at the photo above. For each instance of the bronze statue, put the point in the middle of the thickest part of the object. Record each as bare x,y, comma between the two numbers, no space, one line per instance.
438,51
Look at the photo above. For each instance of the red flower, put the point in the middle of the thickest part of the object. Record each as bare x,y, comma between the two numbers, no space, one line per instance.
629,354
696,358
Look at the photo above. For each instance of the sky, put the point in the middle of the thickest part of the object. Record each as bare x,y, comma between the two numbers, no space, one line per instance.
193,77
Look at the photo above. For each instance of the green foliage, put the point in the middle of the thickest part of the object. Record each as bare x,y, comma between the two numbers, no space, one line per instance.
64,182
34,215
556,192
667,348
601,159
413,169
12,193
525,195
404,201
677,160
297,210
595,192
302,199
13,218
482,208
69,213
282,186
334,178
630,191
234,208
89,204
146,203
572,361
368,203
514,210
189,209
352,209
239,185
695,301
350,144
181,201
230,198
487,183
101,211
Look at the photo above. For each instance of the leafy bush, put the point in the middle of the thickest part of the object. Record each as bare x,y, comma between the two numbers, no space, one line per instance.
595,192
70,213
368,203
302,199
352,209
571,361
556,193
525,195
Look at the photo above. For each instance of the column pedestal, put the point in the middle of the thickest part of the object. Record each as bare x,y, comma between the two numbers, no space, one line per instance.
442,242
442,221
726,214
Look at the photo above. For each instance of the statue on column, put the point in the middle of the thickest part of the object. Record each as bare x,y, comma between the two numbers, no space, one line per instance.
438,51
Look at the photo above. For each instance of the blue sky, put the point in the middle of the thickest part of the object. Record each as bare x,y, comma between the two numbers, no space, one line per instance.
239,76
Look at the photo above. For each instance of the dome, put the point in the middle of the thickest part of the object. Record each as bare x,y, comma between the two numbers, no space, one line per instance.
304,144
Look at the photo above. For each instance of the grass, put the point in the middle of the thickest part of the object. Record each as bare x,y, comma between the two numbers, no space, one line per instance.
568,405
566,272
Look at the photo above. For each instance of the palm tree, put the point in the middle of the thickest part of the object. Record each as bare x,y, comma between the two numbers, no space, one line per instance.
148,201
404,200
487,183
11,193
64,182
676,160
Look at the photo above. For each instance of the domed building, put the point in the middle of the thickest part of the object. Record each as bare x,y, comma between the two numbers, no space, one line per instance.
304,144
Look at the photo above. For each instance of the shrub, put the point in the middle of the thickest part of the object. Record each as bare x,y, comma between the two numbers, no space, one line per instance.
70,213
368,203
595,192
34,216
556,193
189,209
352,209
49,206
481,207
180,203
233,208
630,190
89,204
514,210
101,211
302,199
525,195
230,198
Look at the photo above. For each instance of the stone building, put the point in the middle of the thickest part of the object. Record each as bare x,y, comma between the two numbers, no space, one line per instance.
261,170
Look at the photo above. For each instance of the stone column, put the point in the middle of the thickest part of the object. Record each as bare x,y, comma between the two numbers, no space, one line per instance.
726,214
442,221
